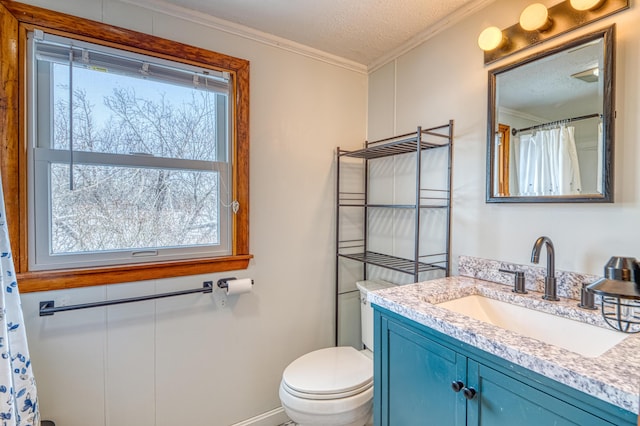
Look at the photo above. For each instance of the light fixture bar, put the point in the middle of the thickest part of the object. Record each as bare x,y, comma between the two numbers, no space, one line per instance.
564,18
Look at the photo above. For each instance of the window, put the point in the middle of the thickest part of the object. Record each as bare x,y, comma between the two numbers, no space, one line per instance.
136,162
128,157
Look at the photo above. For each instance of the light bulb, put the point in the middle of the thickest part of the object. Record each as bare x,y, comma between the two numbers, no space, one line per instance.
535,17
586,4
490,38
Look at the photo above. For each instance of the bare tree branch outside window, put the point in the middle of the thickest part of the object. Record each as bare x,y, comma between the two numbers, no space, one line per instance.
118,207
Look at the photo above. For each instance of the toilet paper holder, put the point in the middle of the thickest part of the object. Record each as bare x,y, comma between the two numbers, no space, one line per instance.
224,282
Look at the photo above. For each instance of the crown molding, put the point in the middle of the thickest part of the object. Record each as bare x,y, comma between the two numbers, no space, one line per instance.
522,115
167,8
432,31
246,32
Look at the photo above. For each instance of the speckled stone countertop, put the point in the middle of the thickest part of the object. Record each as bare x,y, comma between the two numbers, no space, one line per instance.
613,376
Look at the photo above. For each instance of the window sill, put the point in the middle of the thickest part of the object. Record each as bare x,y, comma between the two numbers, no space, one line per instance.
74,278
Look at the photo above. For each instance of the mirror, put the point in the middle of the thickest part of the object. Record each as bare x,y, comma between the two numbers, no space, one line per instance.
550,124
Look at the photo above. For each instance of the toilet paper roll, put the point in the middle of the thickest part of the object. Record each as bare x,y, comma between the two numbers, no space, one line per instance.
243,285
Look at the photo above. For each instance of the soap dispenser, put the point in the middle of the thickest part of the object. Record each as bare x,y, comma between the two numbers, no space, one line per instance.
519,283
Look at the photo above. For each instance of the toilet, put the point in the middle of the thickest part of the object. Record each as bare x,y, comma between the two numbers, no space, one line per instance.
334,386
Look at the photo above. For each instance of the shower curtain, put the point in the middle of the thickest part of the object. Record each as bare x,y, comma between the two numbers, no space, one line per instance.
18,398
547,163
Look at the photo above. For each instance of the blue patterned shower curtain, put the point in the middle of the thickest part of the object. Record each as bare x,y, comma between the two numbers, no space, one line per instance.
18,398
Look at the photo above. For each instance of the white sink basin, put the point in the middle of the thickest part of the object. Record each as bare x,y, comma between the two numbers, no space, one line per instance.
585,339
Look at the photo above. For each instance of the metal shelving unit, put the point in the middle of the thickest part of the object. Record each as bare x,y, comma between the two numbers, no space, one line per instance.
417,143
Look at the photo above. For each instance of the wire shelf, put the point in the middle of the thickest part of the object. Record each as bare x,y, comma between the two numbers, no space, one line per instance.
393,206
395,263
402,144
392,148
429,199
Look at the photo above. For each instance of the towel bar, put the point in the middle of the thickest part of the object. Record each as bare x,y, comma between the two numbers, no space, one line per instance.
48,308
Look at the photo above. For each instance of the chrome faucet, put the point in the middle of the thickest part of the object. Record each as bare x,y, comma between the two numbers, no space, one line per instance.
550,287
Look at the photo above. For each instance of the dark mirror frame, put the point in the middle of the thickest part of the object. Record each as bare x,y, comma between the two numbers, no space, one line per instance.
608,118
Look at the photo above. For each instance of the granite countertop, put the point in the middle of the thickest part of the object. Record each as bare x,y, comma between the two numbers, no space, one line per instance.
613,376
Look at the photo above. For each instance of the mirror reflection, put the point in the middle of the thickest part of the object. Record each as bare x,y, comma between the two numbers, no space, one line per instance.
550,135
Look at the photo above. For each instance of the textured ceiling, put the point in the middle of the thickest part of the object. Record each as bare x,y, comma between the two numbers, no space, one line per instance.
361,31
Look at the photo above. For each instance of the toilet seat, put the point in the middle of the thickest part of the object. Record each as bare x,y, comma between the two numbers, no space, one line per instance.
330,373
313,396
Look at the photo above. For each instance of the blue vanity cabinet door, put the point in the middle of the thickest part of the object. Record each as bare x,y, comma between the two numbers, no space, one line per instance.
414,379
501,400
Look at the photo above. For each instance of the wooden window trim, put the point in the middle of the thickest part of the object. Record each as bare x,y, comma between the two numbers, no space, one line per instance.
504,150
15,20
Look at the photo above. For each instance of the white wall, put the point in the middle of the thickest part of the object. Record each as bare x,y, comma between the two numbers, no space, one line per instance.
445,78
187,360
190,361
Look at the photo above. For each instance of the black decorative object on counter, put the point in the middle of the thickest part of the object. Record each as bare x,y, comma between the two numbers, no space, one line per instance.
620,293
623,269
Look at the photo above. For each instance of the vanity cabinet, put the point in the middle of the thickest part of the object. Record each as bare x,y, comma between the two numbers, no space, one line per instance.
423,377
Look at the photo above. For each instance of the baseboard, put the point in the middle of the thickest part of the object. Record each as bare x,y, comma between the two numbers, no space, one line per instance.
274,417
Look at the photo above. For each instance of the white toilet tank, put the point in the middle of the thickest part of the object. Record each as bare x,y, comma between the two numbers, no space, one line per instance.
366,311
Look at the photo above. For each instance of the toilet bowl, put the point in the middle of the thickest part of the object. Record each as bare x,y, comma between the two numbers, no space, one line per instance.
333,386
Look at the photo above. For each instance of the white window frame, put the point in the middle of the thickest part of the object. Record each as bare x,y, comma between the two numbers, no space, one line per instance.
40,157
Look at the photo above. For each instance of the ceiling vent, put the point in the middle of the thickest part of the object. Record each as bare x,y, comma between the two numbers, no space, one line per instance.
590,76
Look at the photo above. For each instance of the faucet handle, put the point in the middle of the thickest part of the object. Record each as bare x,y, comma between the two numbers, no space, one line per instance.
586,298
519,283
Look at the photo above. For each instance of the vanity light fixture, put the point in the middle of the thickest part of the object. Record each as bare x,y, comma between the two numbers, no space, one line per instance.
535,17
490,38
538,23
586,4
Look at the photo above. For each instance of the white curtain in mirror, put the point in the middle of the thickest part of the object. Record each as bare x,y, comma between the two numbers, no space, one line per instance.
600,145
545,163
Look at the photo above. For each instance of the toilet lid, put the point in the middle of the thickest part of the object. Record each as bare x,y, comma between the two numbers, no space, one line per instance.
331,371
